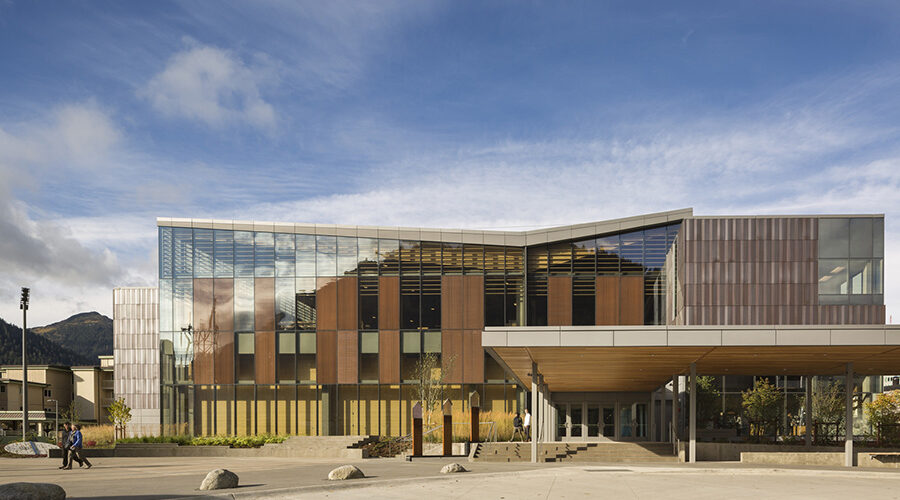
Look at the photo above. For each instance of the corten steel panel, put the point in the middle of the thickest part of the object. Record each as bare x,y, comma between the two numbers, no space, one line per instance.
223,303
326,304
202,366
452,355
326,357
559,301
631,300
607,308
265,357
264,303
348,356
473,308
389,302
389,356
348,308
473,357
452,300
203,333
224,358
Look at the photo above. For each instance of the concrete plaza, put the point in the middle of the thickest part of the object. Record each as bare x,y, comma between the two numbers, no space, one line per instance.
160,478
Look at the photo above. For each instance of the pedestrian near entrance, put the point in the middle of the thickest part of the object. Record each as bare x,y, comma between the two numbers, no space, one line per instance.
527,424
76,454
65,443
517,428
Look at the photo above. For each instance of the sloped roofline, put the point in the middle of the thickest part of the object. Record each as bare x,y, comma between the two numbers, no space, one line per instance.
511,238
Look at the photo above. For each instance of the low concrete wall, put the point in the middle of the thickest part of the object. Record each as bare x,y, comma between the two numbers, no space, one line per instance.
291,448
731,452
793,458
878,459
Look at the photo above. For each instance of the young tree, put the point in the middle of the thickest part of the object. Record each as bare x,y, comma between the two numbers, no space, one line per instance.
429,378
119,415
709,398
828,408
70,413
884,414
763,405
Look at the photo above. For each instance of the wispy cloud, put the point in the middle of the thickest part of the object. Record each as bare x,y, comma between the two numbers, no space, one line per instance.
213,86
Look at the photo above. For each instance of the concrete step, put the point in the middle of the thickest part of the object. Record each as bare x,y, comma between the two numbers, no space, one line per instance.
577,452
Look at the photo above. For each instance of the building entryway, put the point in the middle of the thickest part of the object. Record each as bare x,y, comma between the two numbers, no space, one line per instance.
592,421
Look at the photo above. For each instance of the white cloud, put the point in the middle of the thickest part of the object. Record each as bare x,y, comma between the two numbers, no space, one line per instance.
214,86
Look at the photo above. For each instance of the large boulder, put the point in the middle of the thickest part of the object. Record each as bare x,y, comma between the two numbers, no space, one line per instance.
31,491
453,468
219,479
345,472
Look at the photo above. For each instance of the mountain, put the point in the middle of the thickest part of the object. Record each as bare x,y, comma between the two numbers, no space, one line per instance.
89,334
41,351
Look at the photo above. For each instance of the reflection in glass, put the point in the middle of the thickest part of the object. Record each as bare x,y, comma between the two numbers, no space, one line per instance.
306,303
368,256
584,257
183,303
326,256
165,306
346,252
834,238
833,277
243,304
561,259
473,259
608,249
306,357
515,260
368,303
265,254
165,252
183,252
243,254
860,276
537,259
878,278
632,252
494,262
284,255
305,254
284,303
203,253
452,258
410,257
861,238
494,288
655,248
224,254
389,257
878,237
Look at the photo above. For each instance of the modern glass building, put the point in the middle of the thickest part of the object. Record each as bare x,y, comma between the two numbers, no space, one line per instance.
316,329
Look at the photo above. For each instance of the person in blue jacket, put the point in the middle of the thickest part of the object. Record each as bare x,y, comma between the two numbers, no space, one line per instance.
77,445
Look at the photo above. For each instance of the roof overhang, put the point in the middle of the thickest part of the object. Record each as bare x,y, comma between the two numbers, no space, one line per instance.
642,358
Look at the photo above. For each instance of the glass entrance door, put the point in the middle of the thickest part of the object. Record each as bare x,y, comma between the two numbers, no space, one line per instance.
609,422
593,421
576,417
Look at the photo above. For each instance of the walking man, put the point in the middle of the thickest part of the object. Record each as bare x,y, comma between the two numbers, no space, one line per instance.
527,424
77,444
65,443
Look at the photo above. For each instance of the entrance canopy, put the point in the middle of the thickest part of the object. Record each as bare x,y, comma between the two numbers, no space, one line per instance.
642,358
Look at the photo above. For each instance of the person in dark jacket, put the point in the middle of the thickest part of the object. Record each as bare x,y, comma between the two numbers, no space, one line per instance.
77,445
517,428
66,445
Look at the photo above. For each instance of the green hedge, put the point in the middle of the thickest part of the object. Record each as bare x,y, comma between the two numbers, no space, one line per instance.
232,441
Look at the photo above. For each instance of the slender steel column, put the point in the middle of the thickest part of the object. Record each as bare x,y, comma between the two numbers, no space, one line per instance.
693,428
534,405
807,411
673,427
651,428
848,417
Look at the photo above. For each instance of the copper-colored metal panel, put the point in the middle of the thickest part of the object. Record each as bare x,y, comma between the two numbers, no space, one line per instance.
347,356
389,302
473,357
203,302
223,304
264,303
224,343
348,296
559,301
265,357
473,309
607,308
326,357
452,300
326,304
389,356
452,357
631,300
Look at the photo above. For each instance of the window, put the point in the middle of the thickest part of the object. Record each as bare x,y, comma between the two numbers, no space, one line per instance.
389,257
287,350
410,289
431,302
514,295
368,357
223,251
367,249
410,257
306,357
346,256
494,300
537,301
183,252
583,300
243,305
284,255
494,262
306,303
561,259
584,257
326,256
452,258
473,259
245,353
47,393
264,254
850,260
632,252
431,258
285,305
410,350
165,252
305,255
368,303
608,250
203,253
243,254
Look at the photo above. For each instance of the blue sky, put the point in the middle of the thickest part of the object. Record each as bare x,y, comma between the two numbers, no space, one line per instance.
463,114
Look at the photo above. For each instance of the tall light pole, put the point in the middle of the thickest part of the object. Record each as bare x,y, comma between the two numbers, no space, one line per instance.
23,305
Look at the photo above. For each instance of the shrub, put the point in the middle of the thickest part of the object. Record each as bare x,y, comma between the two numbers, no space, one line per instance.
884,415
232,441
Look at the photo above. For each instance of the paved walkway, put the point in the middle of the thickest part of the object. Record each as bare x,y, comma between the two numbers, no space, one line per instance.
160,478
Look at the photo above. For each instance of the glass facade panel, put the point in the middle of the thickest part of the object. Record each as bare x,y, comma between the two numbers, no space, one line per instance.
473,259
514,298
431,258
583,300
285,303
306,303
306,255
224,254
834,238
410,290
166,318
367,249
243,305
165,252
515,260
860,276
561,259
246,347
833,277
389,257
861,239
494,260
431,341
368,357
431,302
243,254
326,256
608,249
203,253
287,352
183,303
182,252
284,255
655,249
368,303
346,256
410,257
264,254
452,257
494,300
584,258
878,237
632,253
